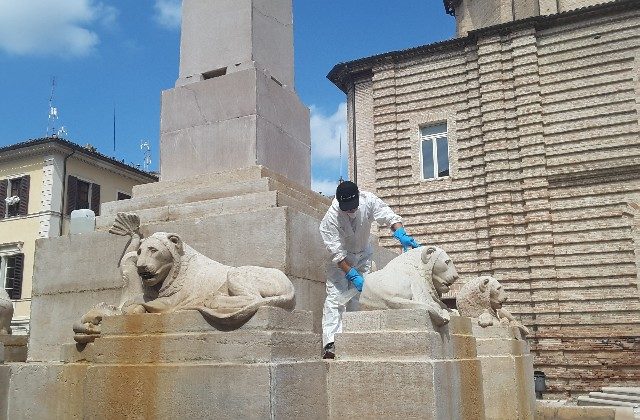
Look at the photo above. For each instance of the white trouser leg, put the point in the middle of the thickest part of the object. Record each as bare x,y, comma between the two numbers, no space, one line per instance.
337,284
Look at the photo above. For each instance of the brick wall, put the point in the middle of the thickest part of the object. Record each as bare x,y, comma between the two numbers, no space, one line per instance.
545,165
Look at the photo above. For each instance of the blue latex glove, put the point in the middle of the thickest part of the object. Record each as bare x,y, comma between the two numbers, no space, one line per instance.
406,240
356,278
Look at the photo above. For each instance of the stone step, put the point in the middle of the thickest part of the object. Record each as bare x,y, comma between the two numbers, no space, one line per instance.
241,346
622,390
222,179
187,194
207,201
615,397
404,345
584,400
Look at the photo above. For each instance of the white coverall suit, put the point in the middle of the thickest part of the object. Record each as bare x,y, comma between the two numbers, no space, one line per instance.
348,236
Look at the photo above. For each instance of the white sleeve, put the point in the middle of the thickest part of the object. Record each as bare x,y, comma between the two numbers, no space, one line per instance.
331,237
382,212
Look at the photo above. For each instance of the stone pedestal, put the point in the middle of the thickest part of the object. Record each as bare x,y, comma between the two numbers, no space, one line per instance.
507,371
178,365
249,216
396,364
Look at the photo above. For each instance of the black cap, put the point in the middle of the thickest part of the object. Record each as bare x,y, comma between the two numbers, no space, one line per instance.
347,195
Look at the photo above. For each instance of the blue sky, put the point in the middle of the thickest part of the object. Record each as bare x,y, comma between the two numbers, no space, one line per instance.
123,53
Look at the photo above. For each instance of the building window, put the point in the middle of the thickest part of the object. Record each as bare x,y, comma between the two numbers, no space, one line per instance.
14,197
82,195
123,196
11,268
434,147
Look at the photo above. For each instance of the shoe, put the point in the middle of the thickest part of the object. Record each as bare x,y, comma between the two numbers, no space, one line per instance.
329,351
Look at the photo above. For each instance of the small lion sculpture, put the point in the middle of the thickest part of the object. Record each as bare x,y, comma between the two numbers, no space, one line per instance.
6,312
482,298
415,279
163,274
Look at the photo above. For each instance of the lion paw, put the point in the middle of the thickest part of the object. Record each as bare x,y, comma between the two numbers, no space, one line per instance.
485,320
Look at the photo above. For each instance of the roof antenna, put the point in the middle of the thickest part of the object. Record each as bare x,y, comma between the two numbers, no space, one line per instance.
144,145
53,112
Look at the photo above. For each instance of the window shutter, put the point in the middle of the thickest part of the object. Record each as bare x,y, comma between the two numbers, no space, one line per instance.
3,194
23,208
16,292
95,199
72,193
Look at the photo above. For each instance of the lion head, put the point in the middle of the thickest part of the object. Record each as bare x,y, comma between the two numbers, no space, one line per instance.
480,294
159,256
443,271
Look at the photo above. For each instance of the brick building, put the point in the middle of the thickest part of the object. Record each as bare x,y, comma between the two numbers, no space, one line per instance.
516,147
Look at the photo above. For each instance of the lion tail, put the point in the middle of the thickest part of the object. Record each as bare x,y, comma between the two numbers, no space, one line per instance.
286,301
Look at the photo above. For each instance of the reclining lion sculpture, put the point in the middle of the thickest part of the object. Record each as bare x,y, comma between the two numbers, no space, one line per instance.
416,279
162,274
482,298
6,312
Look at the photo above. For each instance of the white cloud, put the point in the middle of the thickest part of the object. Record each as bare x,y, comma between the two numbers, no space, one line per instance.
169,13
27,27
326,133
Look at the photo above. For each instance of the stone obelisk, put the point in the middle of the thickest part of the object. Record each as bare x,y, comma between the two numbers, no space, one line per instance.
234,103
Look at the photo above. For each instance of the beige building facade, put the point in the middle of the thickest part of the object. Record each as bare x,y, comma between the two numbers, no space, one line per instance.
516,147
41,182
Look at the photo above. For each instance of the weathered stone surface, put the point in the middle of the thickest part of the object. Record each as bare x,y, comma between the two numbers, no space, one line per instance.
15,347
552,410
244,31
398,364
224,391
45,391
507,372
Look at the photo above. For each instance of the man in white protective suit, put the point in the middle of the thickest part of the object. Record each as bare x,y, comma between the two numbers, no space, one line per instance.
345,230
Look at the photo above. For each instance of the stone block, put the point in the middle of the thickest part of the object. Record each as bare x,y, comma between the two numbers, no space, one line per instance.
224,34
219,347
15,347
404,367
245,93
53,316
233,144
400,390
221,391
46,391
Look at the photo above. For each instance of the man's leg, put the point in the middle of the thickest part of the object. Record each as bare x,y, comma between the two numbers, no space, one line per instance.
332,312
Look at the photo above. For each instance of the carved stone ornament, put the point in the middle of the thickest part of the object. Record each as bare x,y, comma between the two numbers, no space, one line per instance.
6,312
163,274
415,279
482,298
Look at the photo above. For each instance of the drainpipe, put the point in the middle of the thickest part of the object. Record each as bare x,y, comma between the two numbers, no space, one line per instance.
64,188
353,133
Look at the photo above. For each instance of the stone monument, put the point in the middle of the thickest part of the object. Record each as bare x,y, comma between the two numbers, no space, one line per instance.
507,365
234,104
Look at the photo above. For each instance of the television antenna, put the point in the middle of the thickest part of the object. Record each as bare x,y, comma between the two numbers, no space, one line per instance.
53,112
146,146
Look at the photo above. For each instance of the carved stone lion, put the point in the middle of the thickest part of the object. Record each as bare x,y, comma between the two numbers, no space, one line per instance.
482,298
6,312
415,279
162,274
